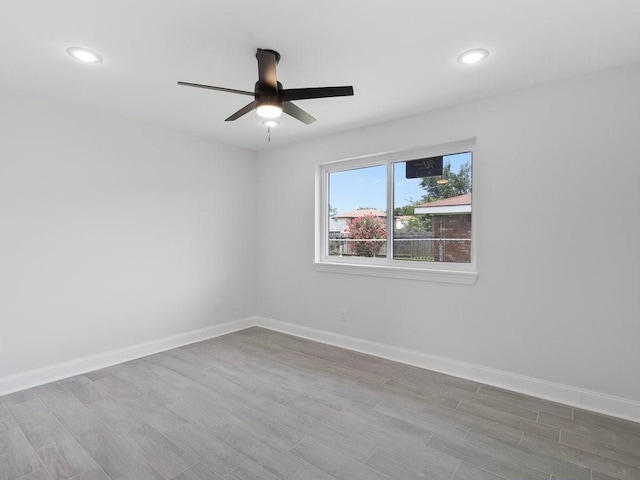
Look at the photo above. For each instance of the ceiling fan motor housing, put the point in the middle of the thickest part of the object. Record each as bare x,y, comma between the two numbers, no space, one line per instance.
266,99
265,95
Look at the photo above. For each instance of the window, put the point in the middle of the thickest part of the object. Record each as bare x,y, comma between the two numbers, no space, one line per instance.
402,214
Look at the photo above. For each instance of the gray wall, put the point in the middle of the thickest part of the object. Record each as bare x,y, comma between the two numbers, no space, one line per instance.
115,232
557,295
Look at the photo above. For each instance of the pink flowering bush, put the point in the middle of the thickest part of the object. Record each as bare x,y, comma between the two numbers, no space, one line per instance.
368,227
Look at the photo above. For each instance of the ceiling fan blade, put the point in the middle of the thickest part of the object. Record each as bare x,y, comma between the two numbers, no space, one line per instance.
297,113
243,111
320,92
221,89
267,61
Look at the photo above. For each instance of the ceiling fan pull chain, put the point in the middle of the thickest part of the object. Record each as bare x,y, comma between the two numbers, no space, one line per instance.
269,134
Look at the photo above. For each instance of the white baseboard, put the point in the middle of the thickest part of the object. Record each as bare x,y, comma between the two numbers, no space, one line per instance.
565,394
40,376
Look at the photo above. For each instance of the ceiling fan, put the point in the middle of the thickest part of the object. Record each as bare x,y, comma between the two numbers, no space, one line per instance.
269,98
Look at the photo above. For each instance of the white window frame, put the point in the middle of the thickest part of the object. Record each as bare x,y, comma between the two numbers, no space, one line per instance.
460,273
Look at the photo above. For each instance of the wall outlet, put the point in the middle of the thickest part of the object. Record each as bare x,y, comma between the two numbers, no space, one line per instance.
342,315
217,305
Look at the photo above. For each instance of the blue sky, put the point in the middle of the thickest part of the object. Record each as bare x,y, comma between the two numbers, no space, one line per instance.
367,187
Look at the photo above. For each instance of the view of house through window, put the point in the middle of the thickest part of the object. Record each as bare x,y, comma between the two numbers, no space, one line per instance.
430,215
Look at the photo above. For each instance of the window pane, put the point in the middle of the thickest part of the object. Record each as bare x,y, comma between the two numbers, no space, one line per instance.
432,213
357,212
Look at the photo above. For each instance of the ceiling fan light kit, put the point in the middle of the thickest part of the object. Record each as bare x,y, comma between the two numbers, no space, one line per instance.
269,98
269,107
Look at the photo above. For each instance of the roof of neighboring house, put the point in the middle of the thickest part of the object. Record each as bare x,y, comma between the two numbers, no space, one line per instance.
446,206
336,225
340,223
360,213
449,202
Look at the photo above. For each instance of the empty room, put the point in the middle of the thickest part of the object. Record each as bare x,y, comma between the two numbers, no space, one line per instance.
319,240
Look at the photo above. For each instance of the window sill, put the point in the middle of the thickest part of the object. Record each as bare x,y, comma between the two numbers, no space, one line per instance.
423,274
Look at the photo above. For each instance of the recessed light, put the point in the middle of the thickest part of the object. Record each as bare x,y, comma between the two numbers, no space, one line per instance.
270,123
84,55
473,56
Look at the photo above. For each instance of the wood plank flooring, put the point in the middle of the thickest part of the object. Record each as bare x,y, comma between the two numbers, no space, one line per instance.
262,405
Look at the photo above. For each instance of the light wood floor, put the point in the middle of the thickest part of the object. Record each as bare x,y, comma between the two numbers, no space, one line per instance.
262,405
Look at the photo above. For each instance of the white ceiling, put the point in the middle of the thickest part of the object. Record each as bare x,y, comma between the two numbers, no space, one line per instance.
400,56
